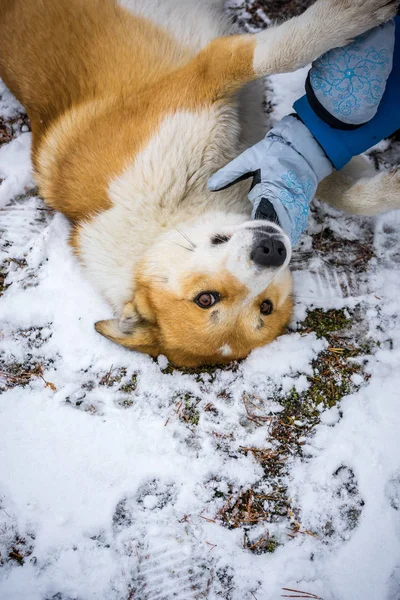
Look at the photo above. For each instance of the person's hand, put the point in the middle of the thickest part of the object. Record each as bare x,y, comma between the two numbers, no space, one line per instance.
253,162
286,167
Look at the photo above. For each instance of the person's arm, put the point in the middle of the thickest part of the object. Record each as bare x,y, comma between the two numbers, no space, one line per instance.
292,160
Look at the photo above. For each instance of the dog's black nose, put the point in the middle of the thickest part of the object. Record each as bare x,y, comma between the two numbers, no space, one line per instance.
269,252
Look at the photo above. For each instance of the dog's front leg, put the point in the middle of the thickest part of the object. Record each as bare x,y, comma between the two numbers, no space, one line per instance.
228,63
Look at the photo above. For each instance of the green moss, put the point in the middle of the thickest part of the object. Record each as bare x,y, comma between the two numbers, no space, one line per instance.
189,412
262,545
125,402
130,386
330,382
195,419
128,389
206,373
3,286
113,376
324,323
272,545
332,370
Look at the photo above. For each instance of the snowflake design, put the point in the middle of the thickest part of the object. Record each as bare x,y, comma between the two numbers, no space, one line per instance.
295,199
351,75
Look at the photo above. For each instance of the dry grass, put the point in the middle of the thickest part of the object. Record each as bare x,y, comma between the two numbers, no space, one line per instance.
342,253
12,127
18,551
16,375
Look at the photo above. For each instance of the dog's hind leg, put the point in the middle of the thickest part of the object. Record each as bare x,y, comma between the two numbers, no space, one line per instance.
368,195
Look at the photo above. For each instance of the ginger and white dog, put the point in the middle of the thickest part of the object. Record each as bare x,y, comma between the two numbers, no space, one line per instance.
133,106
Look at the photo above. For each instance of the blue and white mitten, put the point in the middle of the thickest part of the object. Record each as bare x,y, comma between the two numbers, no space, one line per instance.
346,85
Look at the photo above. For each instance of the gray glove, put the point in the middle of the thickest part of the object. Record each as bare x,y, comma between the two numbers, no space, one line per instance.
287,166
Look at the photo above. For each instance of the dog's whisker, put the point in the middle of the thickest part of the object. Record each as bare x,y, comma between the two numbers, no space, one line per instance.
185,247
187,238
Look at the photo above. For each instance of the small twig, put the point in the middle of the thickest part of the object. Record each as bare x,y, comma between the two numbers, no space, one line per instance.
305,594
210,544
206,519
176,411
105,380
49,384
260,541
185,519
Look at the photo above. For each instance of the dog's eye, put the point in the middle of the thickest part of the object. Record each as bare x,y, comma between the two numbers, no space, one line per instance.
266,307
216,240
207,299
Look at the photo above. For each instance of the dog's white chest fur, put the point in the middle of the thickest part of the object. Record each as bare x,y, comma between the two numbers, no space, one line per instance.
165,184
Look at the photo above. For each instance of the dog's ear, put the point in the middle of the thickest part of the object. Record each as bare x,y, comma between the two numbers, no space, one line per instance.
131,331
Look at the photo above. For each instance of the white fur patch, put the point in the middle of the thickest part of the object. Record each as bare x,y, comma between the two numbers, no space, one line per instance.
225,350
192,23
165,185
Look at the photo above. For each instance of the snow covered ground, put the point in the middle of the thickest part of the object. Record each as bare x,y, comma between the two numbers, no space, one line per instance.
122,478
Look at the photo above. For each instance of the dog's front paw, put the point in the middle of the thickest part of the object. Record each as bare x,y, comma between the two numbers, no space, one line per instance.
375,12
346,19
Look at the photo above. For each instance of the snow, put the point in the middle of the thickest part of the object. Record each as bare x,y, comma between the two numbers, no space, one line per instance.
116,495
9,106
15,168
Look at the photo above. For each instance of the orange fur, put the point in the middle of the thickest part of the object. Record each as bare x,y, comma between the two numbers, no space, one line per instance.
191,336
96,82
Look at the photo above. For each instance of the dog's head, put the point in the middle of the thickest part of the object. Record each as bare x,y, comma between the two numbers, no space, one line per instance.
208,293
